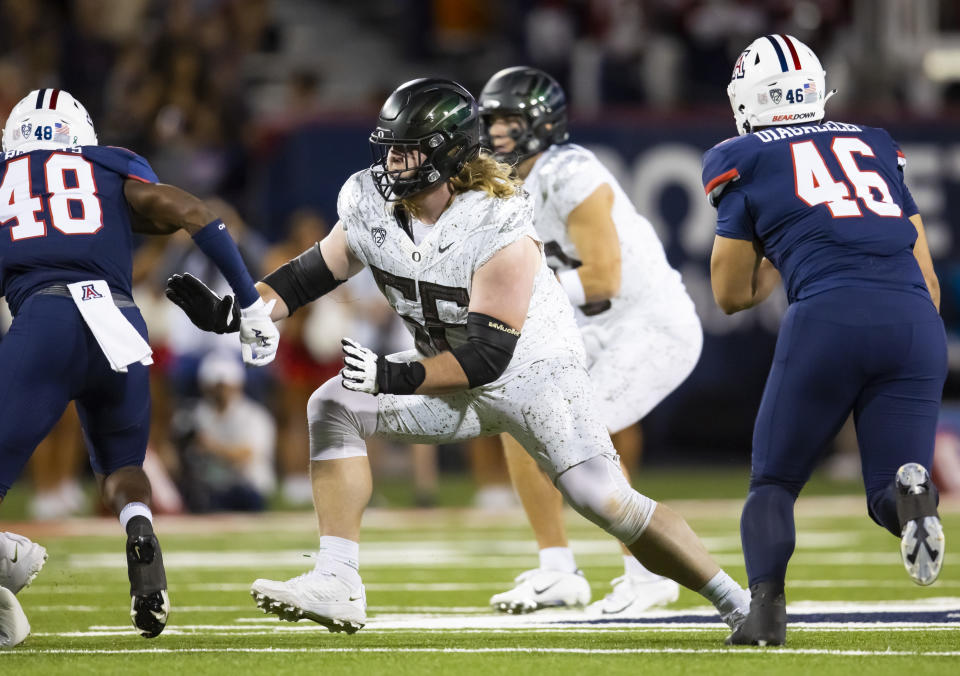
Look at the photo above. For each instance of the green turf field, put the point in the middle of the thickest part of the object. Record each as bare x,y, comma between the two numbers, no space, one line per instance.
429,575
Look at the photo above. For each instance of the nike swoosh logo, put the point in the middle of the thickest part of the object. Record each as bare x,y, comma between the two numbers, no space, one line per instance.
443,249
549,586
354,598
16,553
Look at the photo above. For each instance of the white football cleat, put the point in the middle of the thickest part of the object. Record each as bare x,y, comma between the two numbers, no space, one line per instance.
319,596
632,595
921,541
20,561
14,626
541,588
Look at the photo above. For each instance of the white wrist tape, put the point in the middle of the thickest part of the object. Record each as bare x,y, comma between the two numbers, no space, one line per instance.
570,281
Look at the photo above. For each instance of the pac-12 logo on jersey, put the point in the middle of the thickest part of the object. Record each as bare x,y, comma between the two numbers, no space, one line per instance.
379,235
738,72
89,293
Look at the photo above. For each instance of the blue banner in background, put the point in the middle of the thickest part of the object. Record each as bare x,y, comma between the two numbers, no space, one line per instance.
710,417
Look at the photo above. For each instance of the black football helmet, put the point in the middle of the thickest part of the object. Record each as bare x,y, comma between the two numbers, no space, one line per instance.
537,98
435,116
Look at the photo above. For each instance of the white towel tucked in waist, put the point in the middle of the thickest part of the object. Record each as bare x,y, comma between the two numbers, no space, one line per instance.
117,337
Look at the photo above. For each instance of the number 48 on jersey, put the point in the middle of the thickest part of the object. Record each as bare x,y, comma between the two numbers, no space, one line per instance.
68,201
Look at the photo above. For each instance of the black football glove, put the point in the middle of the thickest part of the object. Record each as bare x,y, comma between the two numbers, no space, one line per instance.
207,310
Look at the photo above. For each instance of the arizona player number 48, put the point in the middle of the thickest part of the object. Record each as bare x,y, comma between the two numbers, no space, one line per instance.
70,193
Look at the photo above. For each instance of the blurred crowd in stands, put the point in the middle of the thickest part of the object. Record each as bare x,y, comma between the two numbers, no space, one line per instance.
204,88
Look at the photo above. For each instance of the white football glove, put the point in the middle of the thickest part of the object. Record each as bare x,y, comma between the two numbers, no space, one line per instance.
359,372
259,336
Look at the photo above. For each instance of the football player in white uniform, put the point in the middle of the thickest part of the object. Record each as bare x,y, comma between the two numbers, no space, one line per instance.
639,326
448,236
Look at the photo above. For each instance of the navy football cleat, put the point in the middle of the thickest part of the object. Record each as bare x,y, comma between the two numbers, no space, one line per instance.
921,539
766,625
149,603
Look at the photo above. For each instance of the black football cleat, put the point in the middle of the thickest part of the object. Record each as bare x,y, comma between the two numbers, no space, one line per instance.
149,603
921,539
766,625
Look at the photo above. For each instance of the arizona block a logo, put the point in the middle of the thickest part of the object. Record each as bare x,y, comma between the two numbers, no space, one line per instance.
738,72
89,293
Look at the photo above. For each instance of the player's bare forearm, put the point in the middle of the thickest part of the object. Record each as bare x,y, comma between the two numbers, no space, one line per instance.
921,252
738,275
594,234
765,280
161,209
443,374
280,310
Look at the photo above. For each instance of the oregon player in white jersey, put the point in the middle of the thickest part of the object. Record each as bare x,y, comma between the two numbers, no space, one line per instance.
448,236
640,328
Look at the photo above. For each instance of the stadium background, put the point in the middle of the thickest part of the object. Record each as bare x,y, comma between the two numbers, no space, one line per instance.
265,107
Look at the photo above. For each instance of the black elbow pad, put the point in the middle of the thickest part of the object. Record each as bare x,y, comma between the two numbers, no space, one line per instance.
488,350
303,279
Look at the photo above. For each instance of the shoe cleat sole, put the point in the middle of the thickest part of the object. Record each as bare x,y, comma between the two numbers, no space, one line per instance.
289,613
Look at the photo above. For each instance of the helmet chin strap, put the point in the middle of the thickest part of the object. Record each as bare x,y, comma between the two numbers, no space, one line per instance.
829,94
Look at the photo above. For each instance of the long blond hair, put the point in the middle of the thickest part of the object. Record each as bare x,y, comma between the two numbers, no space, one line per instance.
481,173
487,174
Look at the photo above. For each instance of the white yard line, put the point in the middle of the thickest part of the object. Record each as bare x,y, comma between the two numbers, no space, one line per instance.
434,555
443,587
489,651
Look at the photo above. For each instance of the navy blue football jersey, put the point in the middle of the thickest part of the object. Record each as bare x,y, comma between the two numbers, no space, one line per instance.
66,218
827,204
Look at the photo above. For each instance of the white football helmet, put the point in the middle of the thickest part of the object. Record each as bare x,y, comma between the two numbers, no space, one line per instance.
48,119
777,80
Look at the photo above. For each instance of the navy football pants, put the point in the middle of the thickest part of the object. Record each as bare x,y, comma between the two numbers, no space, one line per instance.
877,353
48,358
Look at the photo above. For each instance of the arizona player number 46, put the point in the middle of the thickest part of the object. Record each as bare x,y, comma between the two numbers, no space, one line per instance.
815,185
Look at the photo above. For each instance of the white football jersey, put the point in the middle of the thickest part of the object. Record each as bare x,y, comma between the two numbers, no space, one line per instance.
428,284
563,177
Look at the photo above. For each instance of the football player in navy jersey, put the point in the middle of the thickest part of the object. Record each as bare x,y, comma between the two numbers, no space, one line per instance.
68,208
824,207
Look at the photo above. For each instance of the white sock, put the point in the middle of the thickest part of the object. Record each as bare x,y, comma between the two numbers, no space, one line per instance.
340,557
132,509
725,594
558,558
635,569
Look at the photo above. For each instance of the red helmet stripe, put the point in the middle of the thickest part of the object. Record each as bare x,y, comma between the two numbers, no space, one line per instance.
793,50
53,99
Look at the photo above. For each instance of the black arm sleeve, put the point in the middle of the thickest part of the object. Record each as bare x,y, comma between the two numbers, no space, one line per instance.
302,280
488,350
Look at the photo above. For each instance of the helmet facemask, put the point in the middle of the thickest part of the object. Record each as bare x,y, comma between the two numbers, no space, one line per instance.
398,184
526,143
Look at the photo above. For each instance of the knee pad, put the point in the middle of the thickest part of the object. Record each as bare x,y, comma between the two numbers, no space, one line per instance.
598,491
339,420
